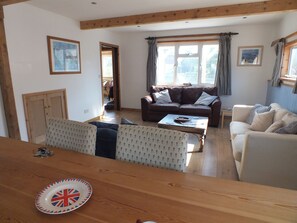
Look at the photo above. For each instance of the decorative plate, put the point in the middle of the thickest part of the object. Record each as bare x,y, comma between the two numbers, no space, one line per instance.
182,119
63,196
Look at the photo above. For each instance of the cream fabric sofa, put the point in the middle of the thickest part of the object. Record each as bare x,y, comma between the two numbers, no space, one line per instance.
261,157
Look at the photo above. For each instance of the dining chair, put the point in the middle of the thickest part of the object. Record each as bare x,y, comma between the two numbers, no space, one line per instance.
71,135
152,146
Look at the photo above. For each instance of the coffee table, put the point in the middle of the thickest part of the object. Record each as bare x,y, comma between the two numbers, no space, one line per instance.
196,125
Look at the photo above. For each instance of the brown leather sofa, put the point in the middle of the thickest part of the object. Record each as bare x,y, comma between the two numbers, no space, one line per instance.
183,99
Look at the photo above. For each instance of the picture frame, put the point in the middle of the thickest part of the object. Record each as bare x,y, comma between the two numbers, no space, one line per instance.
64,56
250,55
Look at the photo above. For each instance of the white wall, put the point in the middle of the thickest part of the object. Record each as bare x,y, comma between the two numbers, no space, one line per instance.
249,84
26,30
288,24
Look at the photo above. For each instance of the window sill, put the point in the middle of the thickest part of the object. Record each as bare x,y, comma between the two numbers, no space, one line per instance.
288,81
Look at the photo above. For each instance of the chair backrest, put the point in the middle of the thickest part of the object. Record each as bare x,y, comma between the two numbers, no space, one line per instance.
71,135
152,146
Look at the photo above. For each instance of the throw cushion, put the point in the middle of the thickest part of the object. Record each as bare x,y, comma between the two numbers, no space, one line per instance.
262,121
125,121
105,125
289,129
106,143
258,108
205,99
162,97
276,125
289,118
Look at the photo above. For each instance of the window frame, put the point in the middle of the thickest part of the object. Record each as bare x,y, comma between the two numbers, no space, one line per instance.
176,45
287,80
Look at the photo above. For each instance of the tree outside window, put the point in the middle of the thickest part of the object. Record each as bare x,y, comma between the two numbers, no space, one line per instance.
181,63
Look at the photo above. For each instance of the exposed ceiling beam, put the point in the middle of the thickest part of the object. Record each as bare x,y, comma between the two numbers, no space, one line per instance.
9,2
198,13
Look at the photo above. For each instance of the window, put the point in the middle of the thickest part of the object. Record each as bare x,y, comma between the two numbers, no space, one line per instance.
180,63
292,71
289,67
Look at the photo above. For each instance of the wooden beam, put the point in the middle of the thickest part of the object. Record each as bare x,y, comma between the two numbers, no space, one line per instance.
198,13
9,2
6,85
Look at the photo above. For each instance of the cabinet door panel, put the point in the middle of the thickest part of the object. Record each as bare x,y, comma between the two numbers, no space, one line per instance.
57,105
36,118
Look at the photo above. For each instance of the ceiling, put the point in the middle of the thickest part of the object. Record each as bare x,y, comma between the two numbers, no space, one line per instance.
81,10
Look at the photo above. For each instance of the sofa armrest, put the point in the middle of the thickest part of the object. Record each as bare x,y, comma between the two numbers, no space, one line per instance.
240,113
216,109
269,159
145,104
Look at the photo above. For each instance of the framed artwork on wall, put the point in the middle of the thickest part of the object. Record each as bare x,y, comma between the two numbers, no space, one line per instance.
250,56
64,56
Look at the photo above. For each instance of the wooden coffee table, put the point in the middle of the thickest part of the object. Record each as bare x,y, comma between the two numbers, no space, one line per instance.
196,125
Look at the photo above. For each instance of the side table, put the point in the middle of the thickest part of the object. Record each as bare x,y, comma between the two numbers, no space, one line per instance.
225,112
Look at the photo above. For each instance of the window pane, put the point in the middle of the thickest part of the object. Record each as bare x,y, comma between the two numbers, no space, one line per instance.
189,50
165,65
187,70
293,62
209,63
107,64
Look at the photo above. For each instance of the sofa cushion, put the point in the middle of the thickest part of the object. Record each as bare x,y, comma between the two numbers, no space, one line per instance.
162,97
211,90
289,118
279,111
237,146
262,121
190,95
205,99
169,107
258,108
174,92
238,128
190,109
276,125
289,129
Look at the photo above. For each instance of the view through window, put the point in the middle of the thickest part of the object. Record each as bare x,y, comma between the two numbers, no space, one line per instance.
293,63
180,63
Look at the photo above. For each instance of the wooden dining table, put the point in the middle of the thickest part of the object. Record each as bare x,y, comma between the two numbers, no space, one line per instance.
124,192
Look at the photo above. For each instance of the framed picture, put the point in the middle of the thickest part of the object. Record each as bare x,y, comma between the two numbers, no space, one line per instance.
250,56
64,56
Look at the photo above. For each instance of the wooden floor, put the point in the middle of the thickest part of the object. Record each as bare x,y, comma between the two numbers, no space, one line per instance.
215,161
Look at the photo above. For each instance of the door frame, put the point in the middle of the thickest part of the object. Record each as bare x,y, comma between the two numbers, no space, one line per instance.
116,73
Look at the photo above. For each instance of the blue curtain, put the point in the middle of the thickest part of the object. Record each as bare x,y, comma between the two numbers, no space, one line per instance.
151,68
223,75
279,51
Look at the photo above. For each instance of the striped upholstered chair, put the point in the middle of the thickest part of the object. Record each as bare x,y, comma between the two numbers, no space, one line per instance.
152,146
71,135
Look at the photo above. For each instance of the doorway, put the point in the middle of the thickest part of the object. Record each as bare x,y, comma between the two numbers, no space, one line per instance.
110,76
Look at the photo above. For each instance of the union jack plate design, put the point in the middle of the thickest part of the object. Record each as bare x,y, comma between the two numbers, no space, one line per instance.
63,196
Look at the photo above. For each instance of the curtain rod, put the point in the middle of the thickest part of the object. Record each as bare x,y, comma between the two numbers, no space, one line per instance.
287,37
194,35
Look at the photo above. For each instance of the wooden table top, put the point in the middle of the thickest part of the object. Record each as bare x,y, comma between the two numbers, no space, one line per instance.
197,124
124,192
